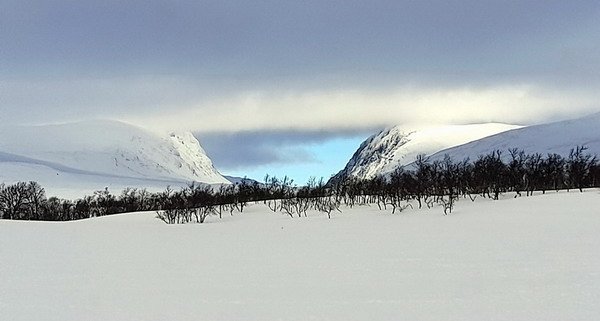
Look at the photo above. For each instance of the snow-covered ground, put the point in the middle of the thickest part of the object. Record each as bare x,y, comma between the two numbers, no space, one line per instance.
530,258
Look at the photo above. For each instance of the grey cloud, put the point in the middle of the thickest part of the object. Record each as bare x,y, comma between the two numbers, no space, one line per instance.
254,148
70,59
282,39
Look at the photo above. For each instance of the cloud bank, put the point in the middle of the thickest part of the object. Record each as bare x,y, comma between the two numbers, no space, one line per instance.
343,110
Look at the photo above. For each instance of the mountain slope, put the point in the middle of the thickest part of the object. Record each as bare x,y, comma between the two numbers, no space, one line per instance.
558,137
382,153
111,150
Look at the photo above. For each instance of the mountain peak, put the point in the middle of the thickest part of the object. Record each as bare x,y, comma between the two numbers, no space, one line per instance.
396,146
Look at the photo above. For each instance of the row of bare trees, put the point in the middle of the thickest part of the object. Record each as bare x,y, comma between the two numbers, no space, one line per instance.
196,202
193,203
424,183
442,182
28,201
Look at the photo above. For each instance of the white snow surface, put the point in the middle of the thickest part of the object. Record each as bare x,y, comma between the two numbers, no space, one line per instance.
558,137
91,155
529,258
382,153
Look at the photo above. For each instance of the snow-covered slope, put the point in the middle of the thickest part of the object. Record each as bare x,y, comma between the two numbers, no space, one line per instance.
382,153
517,259
109,151
240,180
558,137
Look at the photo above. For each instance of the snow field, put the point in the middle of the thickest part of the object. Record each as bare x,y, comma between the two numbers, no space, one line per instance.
530,258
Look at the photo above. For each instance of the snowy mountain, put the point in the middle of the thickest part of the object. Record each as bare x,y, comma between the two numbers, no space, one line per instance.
382,153
95,154
558,137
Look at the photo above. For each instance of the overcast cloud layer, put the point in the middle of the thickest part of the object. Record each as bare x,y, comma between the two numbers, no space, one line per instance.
300,68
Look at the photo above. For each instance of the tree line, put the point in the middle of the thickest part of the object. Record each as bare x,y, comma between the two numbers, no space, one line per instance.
443,182
192,203
425,183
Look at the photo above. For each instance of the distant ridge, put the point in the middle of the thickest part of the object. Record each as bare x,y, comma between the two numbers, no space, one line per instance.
557,137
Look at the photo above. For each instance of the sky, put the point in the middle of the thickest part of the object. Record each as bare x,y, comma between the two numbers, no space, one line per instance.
294,86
